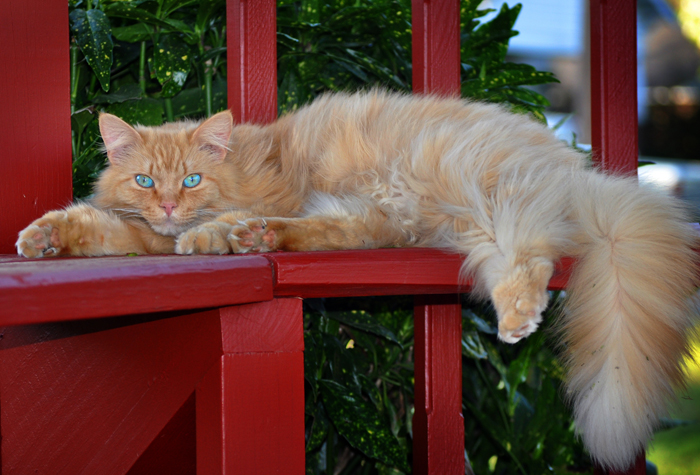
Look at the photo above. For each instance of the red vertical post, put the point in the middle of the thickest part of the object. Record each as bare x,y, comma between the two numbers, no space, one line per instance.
252,60
614,84
614,122
35,144
250,405
438,424
436,45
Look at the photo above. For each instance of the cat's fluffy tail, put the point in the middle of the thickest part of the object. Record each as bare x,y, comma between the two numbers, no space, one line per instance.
628,314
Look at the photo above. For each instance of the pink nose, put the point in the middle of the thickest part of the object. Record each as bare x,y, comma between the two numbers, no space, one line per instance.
168,207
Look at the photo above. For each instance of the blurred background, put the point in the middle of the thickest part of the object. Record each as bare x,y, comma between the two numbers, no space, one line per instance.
553,38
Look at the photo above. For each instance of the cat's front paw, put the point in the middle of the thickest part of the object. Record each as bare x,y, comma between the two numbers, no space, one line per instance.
520,298
253,235
207,238
42,237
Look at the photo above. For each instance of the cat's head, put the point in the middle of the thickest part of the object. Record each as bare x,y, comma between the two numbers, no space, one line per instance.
168,175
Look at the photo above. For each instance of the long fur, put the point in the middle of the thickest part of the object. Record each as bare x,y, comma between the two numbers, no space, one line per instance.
377,169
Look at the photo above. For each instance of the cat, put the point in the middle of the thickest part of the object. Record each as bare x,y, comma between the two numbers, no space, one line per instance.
377,169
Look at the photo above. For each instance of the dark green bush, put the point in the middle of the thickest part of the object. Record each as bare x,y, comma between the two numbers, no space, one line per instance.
153,60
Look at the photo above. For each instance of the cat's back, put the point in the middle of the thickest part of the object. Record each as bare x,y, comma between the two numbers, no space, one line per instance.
341,135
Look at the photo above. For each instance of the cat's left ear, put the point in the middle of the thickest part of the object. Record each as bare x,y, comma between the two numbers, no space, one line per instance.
214,134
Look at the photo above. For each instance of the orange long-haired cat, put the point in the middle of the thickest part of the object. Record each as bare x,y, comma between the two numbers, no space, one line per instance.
377,169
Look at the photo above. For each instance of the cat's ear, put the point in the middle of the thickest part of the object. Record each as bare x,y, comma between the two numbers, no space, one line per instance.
118,136
214,134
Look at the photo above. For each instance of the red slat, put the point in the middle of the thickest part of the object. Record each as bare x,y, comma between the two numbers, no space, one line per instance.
436,58
614,84
376,272
45,290
90,397
252,60
35,143
438,425
250,405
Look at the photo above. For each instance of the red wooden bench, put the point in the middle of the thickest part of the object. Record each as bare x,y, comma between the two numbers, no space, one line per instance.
172,364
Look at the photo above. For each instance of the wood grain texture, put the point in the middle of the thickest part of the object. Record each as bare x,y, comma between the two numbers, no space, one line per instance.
274,326
614,132
252,60
376,272
250,405
35,143
45,290
436,43
90,397
438,425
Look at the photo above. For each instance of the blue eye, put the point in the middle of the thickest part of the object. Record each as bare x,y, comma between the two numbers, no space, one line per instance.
145,181
192,180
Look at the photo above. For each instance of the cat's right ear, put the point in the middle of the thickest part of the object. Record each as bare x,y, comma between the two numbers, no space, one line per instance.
118,136
214,134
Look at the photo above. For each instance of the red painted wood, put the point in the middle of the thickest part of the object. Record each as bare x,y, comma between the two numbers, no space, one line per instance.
614,84
35,142
172,452
250,405
376,272
438,425
91,396
436,44
252,60
45,290
639,468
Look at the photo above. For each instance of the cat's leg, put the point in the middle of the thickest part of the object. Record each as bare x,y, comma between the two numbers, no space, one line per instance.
82,230
331,223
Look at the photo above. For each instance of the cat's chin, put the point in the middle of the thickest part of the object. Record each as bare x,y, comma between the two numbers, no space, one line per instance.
169,229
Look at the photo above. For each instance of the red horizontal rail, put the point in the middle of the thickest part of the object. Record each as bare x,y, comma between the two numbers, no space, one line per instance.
52,290
42,290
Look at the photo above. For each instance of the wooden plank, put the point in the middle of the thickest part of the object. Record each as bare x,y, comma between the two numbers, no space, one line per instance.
436,44
376,272
173,451
91,396
614,133
35,143
438,425
45,290
250,405
252,60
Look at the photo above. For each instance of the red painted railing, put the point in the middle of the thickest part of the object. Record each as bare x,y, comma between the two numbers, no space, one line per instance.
171,364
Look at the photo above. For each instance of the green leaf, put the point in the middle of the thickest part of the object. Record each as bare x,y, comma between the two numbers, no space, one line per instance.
319,429
133,33
171,64
124,92
205,11
362,425
92,31
133,11
472,346
143,111
363,321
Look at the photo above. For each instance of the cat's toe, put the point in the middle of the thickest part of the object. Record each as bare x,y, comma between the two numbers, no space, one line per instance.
512,330
253,235
208,238
38,241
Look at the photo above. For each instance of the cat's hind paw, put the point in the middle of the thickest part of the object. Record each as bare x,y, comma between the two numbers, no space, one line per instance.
253,235
39,239
207,238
